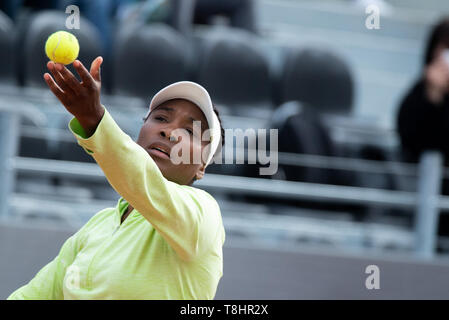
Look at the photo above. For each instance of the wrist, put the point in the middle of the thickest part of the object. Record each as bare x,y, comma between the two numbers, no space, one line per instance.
90,122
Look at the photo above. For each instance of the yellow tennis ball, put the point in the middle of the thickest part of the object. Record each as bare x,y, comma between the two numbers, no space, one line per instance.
62,47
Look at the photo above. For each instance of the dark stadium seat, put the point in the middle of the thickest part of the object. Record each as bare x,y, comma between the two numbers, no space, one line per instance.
302,131
233,68
148,58
34,147
317,77
35,142
6,49
37,27
71,151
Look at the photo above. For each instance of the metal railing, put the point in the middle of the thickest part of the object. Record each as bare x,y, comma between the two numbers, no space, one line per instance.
426,202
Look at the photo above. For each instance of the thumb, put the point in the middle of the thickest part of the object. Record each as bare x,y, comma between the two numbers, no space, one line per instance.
95,70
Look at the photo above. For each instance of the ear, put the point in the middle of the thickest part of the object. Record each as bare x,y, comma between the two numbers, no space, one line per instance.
200,173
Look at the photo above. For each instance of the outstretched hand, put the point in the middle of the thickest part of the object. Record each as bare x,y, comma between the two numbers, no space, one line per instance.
81,99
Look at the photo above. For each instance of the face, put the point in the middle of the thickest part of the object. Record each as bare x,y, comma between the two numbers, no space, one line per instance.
175,117
439,49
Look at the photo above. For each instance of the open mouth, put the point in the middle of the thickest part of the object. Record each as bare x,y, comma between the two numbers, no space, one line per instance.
159,152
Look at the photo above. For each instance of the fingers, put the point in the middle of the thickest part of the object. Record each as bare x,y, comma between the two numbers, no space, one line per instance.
58,78
84,74
54,87
95,68
64,84
69,78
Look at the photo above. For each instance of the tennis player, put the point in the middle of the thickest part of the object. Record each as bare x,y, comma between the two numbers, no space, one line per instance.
164,238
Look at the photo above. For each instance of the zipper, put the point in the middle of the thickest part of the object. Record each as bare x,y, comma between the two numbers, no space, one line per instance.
115,230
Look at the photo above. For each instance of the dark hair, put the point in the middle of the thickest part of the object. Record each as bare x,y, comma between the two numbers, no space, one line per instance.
439,35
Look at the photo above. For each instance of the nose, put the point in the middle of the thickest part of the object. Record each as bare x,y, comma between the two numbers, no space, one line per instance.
165,132
169,134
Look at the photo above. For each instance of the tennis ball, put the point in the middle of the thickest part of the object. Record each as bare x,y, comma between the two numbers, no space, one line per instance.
62,47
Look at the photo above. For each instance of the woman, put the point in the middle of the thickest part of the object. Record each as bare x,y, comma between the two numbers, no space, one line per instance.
423,118
164,238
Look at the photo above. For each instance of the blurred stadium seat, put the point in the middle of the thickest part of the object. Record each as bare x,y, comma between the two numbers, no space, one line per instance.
71,151
37,27
233,66
6,49
147,58
34,147
318,77
293,131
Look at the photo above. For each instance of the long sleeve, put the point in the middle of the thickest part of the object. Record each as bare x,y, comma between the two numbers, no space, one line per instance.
421,124
48,282
187,218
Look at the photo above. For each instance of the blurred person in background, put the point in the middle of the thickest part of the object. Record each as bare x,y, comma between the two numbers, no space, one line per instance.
12,7
181,14
240,13
100,13
176,13
423,117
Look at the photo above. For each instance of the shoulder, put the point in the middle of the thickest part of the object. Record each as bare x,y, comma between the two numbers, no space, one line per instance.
202,196
415,92
207,206
212,220
98,219
412,101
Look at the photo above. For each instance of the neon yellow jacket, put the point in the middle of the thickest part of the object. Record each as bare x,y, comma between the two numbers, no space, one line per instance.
169,247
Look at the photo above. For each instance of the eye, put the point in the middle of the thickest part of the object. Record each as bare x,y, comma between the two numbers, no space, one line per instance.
159,118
